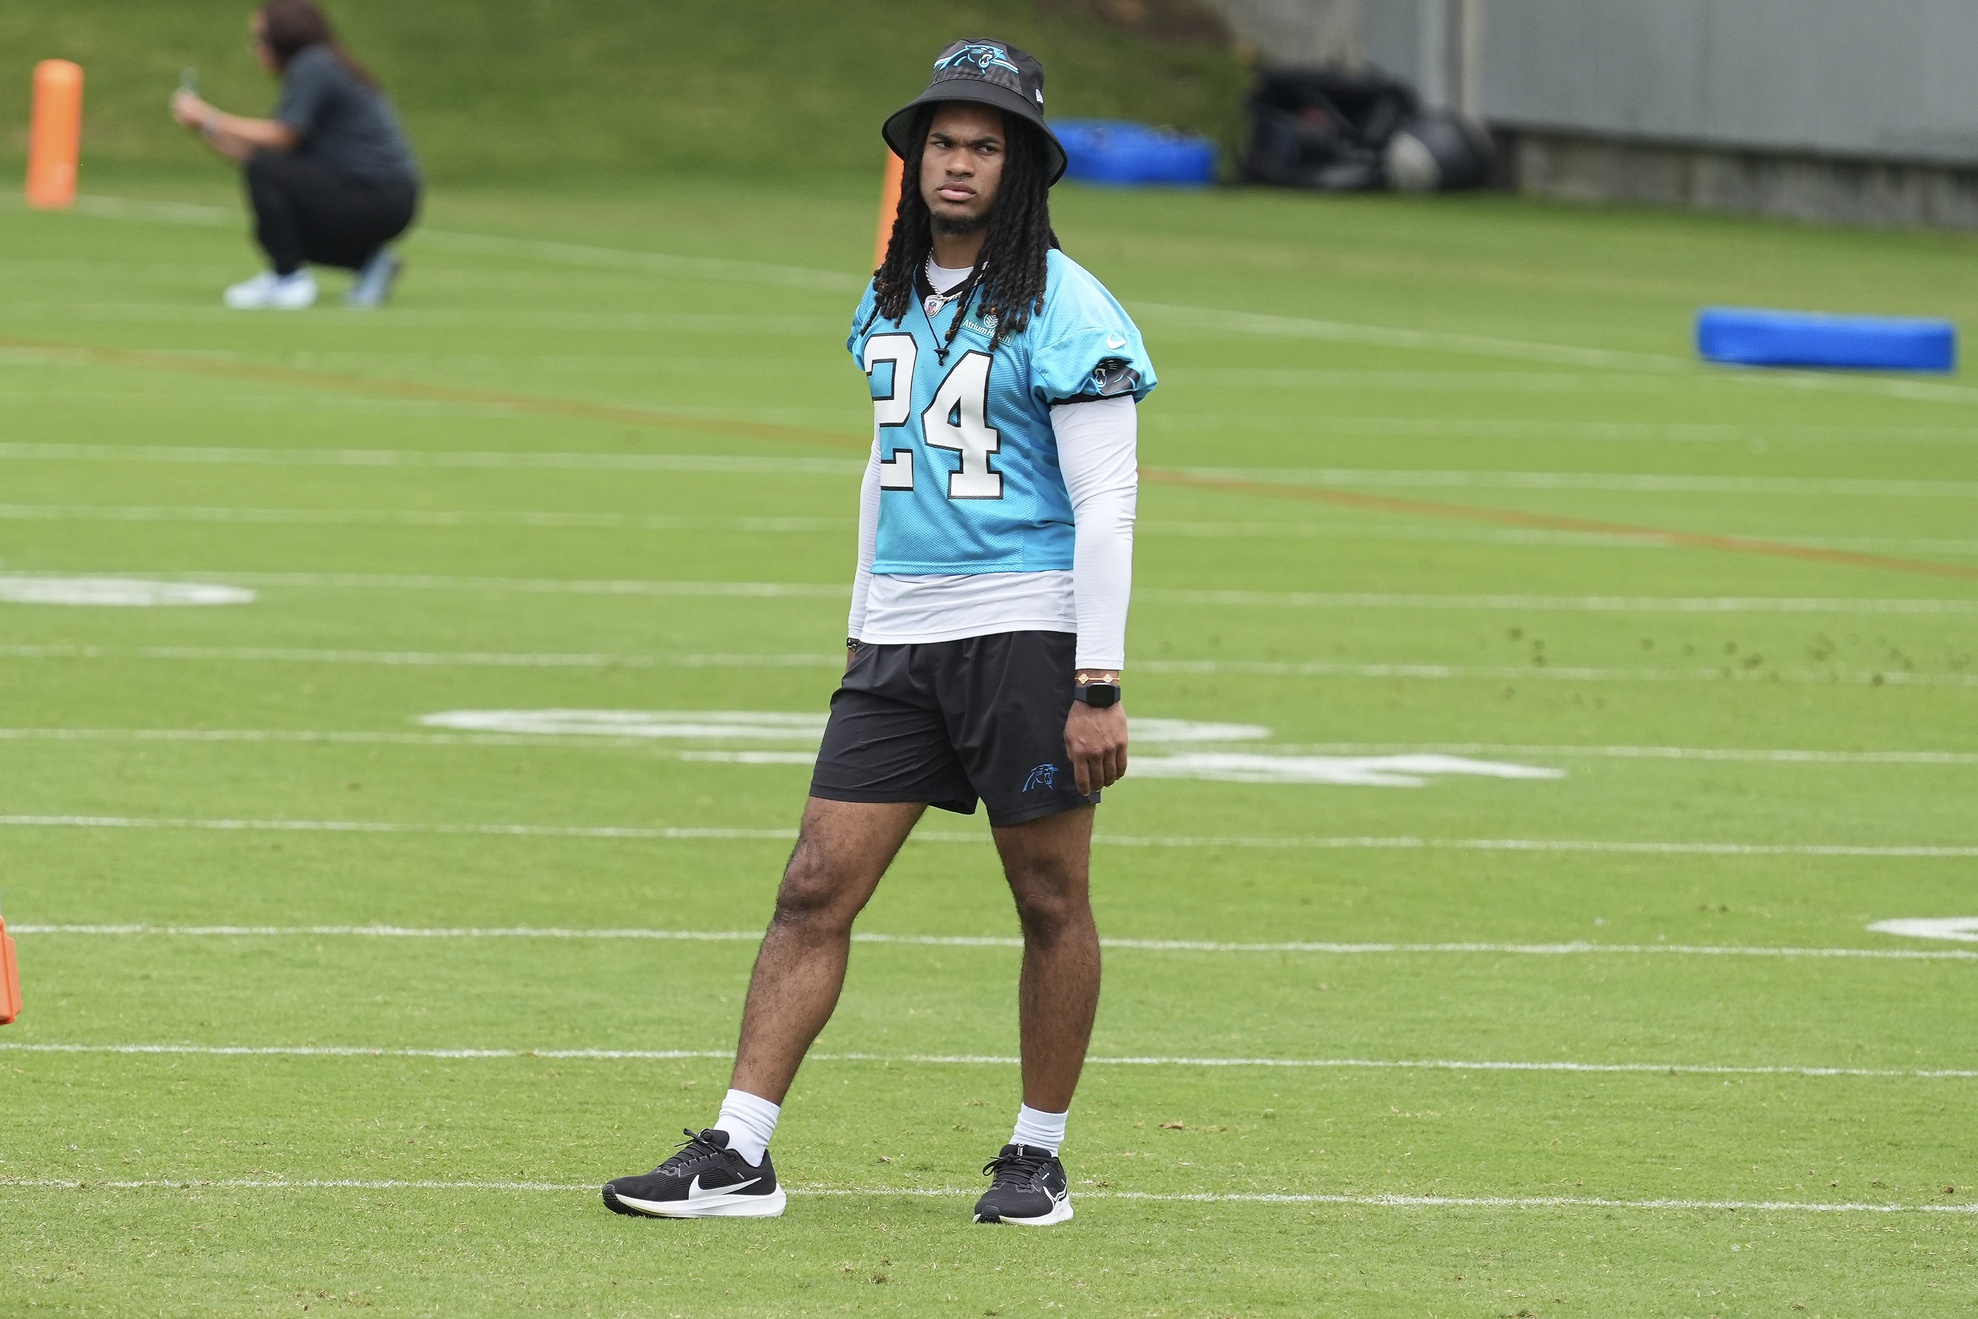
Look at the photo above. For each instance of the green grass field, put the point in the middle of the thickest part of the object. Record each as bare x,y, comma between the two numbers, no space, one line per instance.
1423,479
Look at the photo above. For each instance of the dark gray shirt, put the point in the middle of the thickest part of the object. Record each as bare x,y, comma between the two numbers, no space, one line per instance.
342,121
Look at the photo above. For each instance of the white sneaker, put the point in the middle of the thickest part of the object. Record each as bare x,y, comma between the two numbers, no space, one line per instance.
269,290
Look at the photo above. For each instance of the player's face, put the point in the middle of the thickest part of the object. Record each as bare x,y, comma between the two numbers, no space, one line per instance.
962,165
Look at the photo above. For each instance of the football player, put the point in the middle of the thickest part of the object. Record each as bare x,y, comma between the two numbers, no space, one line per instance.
987,630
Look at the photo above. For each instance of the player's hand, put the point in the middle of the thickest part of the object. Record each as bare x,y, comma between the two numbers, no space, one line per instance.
1096,742
188,109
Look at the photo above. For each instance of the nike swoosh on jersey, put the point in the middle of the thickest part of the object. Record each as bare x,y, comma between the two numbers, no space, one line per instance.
695,1191
1114,341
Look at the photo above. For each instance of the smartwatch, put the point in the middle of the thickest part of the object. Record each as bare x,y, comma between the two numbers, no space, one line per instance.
1098,690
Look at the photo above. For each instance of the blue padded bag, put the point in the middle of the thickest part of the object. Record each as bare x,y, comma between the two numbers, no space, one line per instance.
1123,154
1747,336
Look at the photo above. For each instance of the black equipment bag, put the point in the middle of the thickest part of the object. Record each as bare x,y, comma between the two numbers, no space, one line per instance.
1323,128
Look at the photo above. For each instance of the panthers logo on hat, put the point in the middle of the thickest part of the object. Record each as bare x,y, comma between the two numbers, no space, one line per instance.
983,57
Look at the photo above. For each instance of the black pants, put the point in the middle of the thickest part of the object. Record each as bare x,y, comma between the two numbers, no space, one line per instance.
305,210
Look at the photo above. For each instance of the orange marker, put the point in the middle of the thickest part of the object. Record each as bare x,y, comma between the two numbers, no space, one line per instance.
889,204
10,978
55,141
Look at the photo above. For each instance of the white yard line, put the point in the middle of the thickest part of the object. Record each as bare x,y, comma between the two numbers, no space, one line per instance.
1256,668
425,658
357,737
1569,949
1759,755
1726,604
255,456
685,522
1289,843
1624,482
1553,673
375,517
1598,604
1374,478
894,1192
986,1060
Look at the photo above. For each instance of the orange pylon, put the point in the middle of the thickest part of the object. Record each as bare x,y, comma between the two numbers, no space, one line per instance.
889,205
55,140
10,978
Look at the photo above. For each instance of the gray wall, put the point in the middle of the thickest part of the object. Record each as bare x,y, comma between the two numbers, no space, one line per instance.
1887,79
1876,79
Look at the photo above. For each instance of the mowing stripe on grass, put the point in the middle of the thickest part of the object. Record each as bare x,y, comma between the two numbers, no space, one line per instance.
351,737
1294,843
1575,948
1256,668
519,460
893,1192
1714,604
687,522
372,517
986,1060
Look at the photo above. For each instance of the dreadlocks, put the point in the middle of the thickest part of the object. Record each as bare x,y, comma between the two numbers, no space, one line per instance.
1010,272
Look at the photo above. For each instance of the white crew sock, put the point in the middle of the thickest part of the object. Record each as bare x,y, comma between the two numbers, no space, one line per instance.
750,1120
1039,1130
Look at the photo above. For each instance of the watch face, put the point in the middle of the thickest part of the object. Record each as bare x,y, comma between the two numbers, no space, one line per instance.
1099,695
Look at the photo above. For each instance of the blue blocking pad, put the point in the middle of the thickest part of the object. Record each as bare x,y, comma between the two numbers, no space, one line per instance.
1745,336
1127,155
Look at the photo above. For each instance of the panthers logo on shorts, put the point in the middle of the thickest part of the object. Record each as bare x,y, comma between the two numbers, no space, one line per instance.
1044,776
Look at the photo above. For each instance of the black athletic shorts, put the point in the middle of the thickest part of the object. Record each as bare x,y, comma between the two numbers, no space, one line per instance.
954,722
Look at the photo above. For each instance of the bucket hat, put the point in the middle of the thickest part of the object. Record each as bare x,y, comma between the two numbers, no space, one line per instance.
991,73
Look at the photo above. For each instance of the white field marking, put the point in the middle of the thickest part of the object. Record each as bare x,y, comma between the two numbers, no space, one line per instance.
1257,668
364,517
1593,431
252,456
1574,949
1157,595
424,658
751,724
1142,732
1282,843
786,525
1553,673
1403,771
987,1060
1202,318
1760,755
1632,483
122,592
432,318
1962,928
894,1192
705,724
548,585
1526,536
1599,604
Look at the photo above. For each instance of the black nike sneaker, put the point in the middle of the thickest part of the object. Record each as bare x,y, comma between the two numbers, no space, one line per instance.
705,1179
1029,1188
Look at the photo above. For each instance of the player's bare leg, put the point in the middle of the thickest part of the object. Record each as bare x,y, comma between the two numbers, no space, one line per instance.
1048,865
842,851
725,1171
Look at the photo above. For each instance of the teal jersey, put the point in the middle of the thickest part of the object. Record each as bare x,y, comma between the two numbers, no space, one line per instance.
969,476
